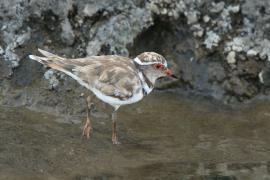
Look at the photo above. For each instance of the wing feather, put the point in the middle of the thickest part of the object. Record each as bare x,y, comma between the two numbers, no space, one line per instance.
116,81
112,75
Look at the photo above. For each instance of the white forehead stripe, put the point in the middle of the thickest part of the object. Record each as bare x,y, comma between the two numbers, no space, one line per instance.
138,61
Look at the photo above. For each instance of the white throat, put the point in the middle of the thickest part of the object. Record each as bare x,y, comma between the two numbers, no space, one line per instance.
145,86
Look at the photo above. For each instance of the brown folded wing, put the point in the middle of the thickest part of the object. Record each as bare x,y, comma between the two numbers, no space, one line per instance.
112,75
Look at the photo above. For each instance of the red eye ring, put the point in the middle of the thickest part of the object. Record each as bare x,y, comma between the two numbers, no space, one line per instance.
158,66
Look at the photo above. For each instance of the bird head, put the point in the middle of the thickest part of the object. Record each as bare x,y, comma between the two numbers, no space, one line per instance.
153,65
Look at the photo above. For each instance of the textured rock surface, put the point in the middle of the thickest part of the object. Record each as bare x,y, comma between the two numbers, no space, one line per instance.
218,48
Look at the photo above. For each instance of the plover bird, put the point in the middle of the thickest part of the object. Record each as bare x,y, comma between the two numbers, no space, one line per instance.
114,79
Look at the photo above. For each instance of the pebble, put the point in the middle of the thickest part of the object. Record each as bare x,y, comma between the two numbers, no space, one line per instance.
217,7
237,48
231,57
192,17
200,33
211,40
89,10
206,18
234,9
252,53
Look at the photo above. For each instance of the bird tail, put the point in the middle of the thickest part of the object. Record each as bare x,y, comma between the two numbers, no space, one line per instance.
53,61
64,65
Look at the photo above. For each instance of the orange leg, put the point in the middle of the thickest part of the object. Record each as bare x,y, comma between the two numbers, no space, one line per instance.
88,129
114,131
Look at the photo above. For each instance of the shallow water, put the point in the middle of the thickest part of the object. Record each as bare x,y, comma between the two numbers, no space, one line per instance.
163,137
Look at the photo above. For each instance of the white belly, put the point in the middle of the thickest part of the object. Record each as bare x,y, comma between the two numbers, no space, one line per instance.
115,101
108,99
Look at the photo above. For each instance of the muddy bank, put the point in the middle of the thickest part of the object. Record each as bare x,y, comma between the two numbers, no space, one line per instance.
163,137
216,48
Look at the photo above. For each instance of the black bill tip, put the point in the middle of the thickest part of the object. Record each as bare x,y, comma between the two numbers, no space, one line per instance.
174,76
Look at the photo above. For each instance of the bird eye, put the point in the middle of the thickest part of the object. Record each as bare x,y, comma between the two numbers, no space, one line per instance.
158,66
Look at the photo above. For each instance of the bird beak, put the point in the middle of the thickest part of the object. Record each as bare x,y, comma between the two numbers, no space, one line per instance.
174,76
169,72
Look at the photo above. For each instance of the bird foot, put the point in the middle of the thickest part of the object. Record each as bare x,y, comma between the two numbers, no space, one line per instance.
87,129
115,140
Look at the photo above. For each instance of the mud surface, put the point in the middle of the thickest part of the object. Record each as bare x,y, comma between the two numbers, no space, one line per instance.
165,136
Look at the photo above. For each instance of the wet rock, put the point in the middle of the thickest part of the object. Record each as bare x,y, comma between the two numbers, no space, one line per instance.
67,34
216,72
237,44
121,30
192,17
206,18
265,49
167,8
212,39
1,51
252,53
5,72
236,86
231,57
217,7
240,87
197,30
90,10
234,9
53,81
249,69
23,38
12,58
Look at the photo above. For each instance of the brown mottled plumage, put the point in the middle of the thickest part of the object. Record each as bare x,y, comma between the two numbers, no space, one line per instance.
114,79
151,57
